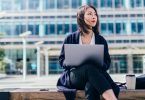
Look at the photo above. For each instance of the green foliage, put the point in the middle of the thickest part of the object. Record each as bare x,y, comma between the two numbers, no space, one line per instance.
2,63
2,54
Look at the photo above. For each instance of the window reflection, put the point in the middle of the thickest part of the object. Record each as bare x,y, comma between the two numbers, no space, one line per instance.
34,4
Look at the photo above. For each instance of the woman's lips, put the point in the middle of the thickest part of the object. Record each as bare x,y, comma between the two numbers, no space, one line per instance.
93,21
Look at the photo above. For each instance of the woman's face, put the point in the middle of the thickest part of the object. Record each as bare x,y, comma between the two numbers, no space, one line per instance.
90,17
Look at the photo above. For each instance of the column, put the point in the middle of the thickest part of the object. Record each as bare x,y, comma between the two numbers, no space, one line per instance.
38,61
128,27
127,4
130,63
24,59
41,5
46,62
41,30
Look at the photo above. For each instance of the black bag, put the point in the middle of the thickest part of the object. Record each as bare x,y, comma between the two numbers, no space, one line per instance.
4,96
140,82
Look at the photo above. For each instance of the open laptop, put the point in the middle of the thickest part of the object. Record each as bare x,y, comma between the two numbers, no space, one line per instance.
75,54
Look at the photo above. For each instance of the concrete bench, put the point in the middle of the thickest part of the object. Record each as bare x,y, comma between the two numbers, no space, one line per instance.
53,94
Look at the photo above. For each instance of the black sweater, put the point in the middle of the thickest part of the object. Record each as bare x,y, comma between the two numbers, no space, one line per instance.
74,39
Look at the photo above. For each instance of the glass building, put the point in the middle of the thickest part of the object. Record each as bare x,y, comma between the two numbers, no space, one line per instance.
122,23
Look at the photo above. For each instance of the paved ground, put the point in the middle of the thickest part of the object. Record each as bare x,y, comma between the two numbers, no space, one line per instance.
30,82
42,82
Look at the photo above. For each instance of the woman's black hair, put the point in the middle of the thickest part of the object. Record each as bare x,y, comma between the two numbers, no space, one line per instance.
83,27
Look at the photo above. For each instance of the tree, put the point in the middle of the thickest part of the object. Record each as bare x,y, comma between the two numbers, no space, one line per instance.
2,63
2,54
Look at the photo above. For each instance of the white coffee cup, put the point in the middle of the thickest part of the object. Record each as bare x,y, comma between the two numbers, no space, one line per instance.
130,81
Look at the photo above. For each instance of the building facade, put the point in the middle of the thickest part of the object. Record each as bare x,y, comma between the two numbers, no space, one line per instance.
122,23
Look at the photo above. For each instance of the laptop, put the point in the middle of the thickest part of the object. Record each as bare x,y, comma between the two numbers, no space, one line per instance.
76,54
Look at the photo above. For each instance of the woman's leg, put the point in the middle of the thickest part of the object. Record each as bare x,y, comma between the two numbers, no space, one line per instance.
88,73
101,84
115,88
91,93
109,95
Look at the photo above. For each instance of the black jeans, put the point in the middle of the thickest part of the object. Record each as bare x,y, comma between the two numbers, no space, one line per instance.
94,81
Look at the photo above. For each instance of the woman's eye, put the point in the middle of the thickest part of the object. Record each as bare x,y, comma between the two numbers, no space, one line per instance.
89,14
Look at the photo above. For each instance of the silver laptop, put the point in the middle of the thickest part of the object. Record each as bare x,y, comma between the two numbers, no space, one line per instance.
76,54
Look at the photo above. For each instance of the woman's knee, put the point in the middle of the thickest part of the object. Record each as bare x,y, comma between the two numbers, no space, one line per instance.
92,68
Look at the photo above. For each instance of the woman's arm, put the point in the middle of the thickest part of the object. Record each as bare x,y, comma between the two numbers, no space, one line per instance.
62,53
107,59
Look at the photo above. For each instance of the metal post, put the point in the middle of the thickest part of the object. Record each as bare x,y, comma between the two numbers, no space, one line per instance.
46,62
24,59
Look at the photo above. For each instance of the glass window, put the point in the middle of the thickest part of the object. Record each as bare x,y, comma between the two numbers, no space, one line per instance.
137,64
47,29
34,28
14,64
132,3
66,29
123,30
50,4
31,61
140,27
103,3
106,3
109,3
34,4
60,29
62,4
93,2
59,3
6,29
118,64
119,3
118,28
54,67
66,4
137,27
103,28
76,3
18,29
52,28
110,28
6,5
133,28
19,5
74,27
138,3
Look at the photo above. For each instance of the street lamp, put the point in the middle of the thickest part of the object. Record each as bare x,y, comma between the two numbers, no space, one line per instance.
38,56
23,36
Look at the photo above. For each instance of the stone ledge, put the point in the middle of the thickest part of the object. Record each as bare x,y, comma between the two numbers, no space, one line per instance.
53,94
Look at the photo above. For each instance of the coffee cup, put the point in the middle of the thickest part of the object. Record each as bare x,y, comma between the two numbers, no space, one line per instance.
130,81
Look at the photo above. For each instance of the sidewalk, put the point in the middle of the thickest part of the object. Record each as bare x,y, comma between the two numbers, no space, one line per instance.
49,81
30,82
2,76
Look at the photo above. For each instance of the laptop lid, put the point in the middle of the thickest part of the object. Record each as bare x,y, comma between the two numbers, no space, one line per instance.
75,54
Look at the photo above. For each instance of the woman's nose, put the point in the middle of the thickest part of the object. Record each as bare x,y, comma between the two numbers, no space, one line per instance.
93,16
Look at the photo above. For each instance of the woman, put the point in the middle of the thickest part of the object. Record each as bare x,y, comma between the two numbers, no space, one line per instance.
90,77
